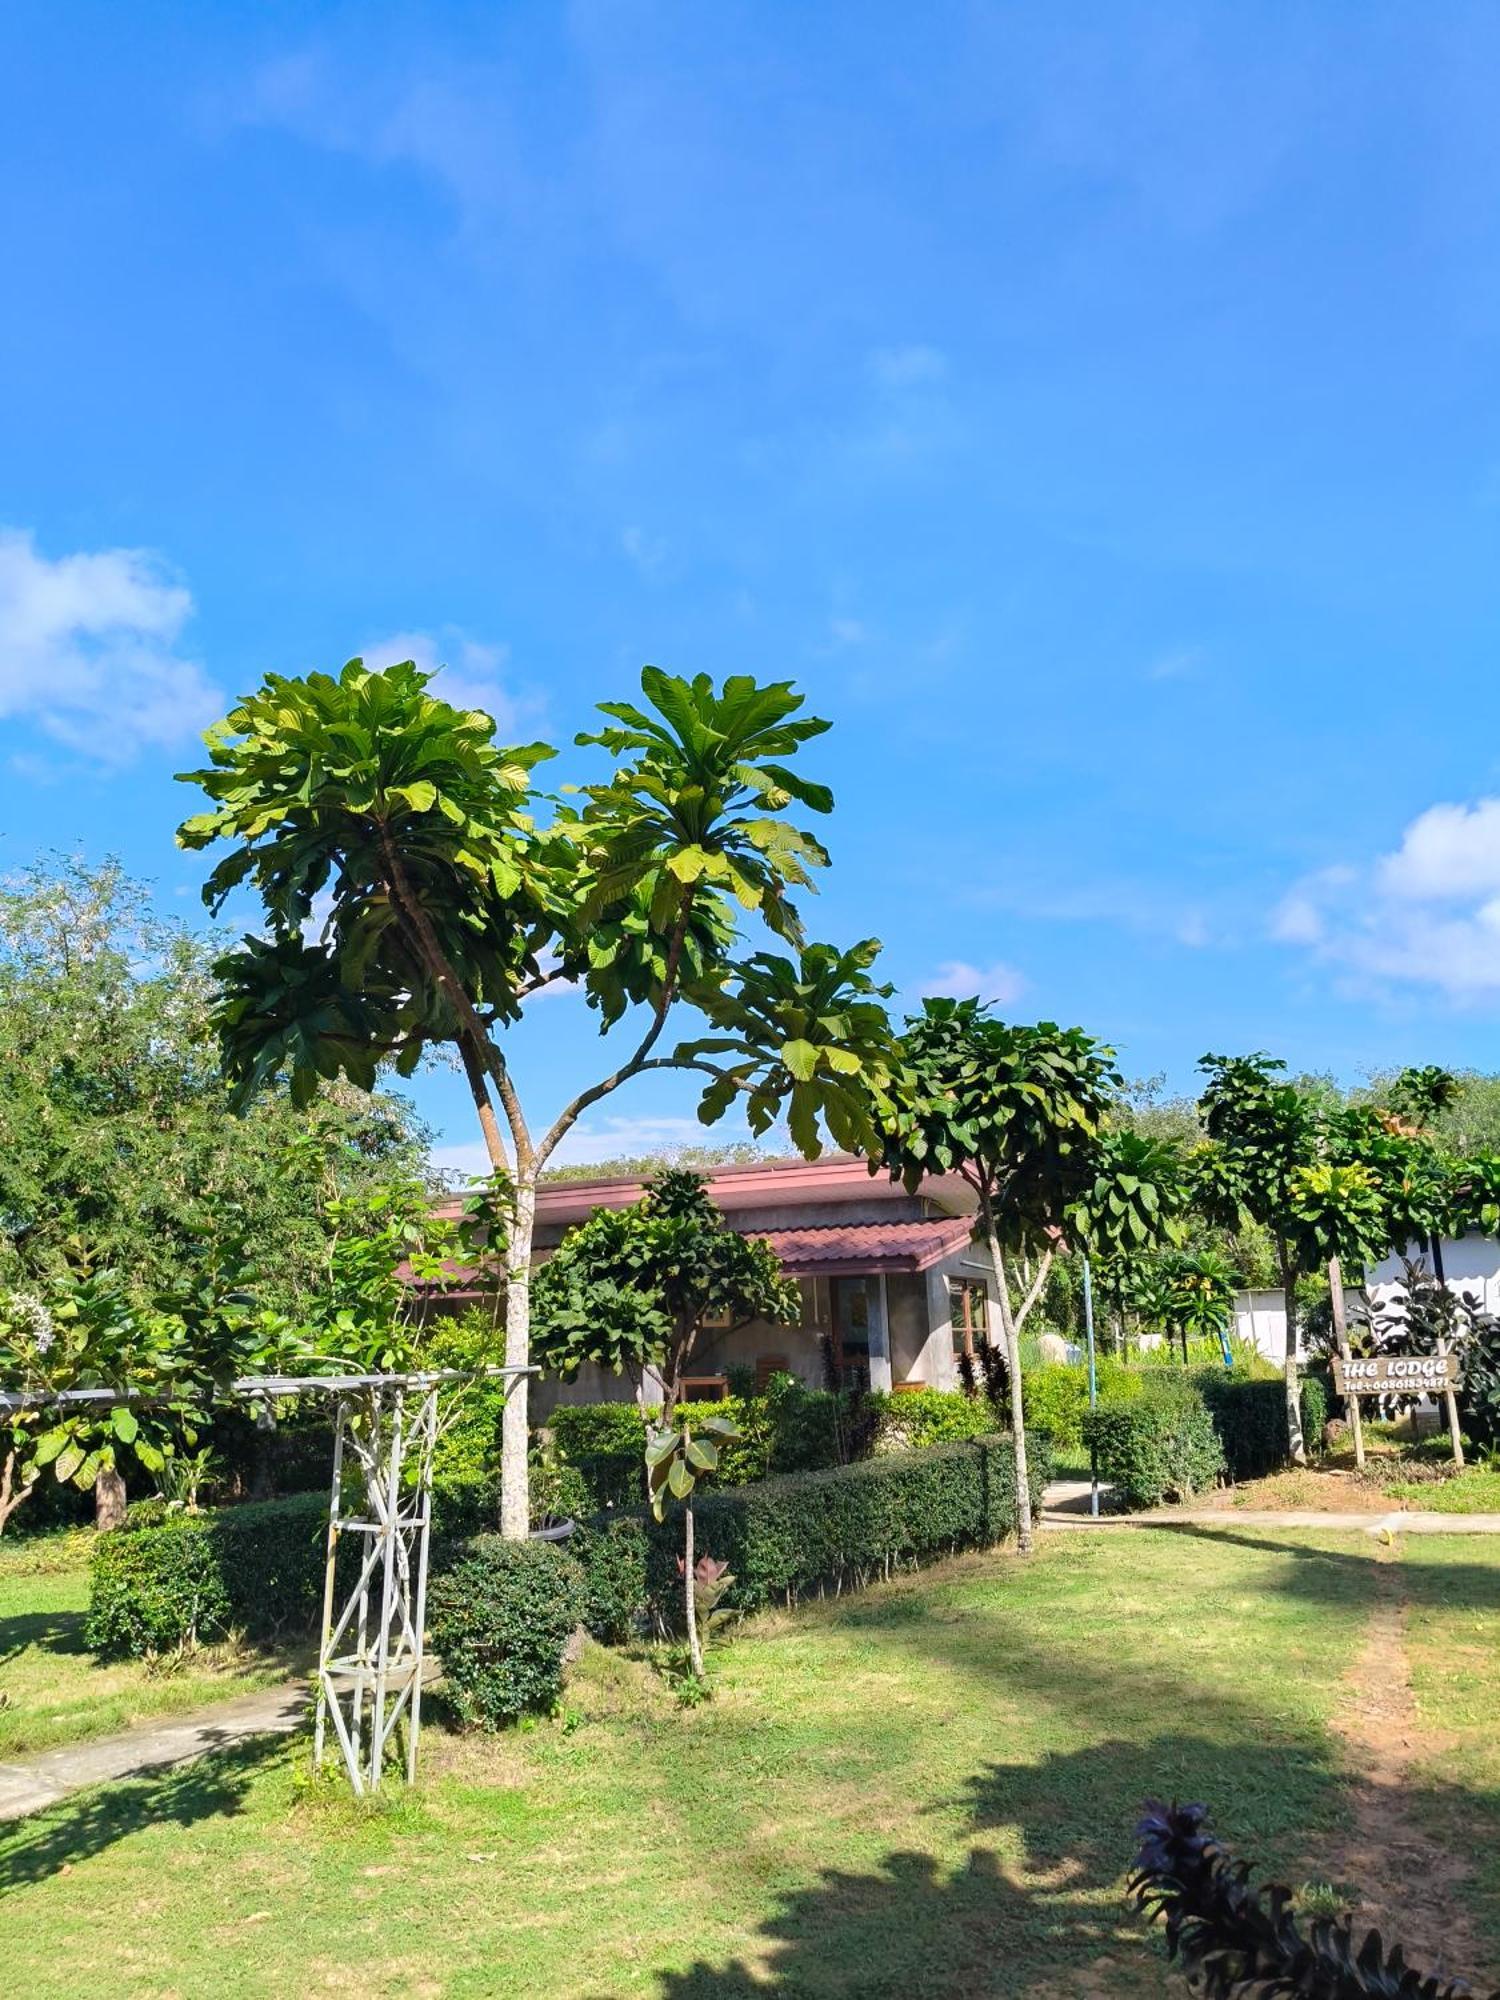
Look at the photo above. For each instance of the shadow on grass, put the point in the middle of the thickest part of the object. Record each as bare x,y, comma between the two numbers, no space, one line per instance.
1316,1573
1056,1919
49,1631
212,1787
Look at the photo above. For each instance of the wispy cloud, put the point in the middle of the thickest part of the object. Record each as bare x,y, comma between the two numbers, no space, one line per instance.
959,980
907,367
1425,914
469,672
1178,663
89,649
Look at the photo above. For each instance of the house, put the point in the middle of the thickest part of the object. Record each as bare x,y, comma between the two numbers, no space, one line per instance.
891,1283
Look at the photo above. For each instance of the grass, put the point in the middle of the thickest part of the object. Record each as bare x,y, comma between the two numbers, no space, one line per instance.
1475,1490
925,1790
52,1690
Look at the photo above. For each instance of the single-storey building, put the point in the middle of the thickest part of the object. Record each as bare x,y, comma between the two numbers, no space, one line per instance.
893,1287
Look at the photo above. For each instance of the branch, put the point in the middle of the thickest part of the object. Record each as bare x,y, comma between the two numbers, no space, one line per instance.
430,947
1036,1290
569,1116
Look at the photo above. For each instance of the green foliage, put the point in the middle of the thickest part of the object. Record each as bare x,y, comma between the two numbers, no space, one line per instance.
842,1528
117,1150
255,1569
806,1041
683,1454
1250,1419
1479,1398
1157,1445
612,1553
501,1615
631,1287
1168,1433
918,1419
1017,1110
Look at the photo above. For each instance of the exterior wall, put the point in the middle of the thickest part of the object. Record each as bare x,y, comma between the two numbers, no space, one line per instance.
1470,1264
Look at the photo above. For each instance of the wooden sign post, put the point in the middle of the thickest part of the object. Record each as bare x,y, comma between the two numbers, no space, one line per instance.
1403,1375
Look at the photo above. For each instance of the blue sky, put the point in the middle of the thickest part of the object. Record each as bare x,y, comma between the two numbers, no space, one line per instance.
1094,408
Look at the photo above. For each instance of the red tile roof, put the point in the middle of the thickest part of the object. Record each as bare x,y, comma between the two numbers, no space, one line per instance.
846,1249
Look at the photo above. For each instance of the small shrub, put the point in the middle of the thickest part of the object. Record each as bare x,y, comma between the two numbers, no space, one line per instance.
257,1569
1158,1446
501,1615
917,1419
606,1444
1250,1418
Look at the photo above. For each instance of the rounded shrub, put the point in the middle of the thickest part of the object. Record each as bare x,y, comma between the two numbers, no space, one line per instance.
501,1615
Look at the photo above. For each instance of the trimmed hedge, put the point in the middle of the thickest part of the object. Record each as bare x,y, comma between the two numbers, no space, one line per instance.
612,1553
501,1615
1156,1446
256,1569
1250,1418
842,1528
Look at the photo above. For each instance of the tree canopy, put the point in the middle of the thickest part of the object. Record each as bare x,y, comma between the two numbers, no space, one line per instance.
631,1288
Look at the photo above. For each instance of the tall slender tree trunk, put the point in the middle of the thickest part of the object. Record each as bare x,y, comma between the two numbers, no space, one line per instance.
109,1499
690,1591
1341,1339
1013,1363
1296,1444
515,1497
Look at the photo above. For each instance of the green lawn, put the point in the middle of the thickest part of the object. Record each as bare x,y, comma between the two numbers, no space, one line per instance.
926,1790
1475,1490
52,1690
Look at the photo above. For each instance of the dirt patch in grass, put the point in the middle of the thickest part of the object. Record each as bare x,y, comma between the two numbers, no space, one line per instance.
1410,1886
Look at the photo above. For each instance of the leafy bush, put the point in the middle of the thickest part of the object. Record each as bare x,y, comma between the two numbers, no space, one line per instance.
917,1419
606,1444
1160,1445
1250,1417
501,1615
1230,1936
845,1526
256,1569
612,1553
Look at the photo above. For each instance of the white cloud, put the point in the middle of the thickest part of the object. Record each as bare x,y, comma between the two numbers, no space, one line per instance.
961,981
468,671
908,367
1426,914
648,552
89,649
1447,854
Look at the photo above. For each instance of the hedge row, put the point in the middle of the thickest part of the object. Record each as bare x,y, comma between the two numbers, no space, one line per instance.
256,1569
259,1569
841,1529
787,1429
1177,1436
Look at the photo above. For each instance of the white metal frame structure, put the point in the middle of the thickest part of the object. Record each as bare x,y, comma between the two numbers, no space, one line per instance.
372,1655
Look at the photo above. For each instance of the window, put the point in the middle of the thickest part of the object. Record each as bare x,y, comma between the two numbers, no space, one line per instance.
967,1308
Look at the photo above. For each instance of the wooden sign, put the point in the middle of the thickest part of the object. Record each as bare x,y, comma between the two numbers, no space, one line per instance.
1396,1375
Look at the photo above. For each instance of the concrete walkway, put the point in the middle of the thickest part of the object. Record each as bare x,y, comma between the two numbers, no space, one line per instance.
1065,1504
42,1780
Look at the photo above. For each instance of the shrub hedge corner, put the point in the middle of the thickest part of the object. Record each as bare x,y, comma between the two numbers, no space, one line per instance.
501,1615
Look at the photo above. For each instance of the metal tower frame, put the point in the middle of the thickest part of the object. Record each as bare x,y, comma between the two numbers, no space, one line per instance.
372,1658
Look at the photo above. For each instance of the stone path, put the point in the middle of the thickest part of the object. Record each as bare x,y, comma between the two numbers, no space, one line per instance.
42,1780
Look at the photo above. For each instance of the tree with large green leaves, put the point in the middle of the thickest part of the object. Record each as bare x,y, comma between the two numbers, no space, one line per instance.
1019,1114
1264,1131
417,892
631,1288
